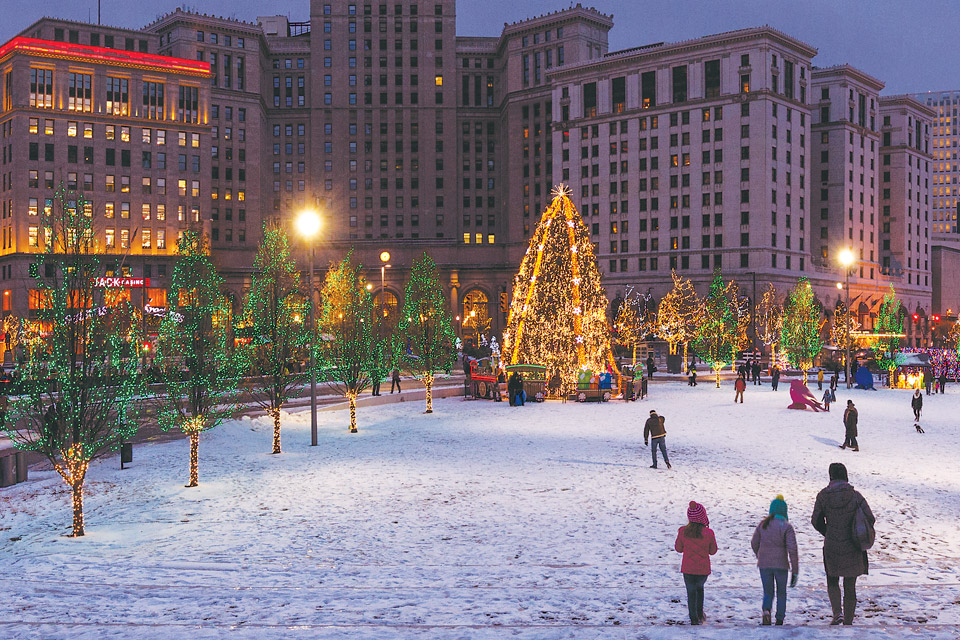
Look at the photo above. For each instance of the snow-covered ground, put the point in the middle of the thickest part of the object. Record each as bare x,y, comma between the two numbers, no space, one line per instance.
486,521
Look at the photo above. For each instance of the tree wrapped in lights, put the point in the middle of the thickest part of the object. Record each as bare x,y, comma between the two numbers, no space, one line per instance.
80,387
275,312
677,314
718,327
424,338
838,330
199,369
632,326
769,315
350,347
800,337
558,315
887,330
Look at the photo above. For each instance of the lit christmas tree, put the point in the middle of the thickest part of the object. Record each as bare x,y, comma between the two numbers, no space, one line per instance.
800,337
80,389
350,347
632,325
719,326
558,315
198,369
275,316
424,338
838,332
888,330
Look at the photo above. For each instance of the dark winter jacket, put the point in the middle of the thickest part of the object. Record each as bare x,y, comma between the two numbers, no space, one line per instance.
833,515
850,421
917,403
653,427
775,546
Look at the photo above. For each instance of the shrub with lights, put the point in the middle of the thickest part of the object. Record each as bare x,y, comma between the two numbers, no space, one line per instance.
720,325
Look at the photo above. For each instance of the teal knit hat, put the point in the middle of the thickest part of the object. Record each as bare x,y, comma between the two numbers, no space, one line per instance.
779,507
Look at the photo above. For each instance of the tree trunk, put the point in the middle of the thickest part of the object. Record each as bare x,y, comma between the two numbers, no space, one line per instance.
77,506
717,373
194,456
352,398
276,430
634,356
685,353
428,383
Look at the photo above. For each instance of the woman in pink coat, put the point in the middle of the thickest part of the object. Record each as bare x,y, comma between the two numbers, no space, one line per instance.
697,543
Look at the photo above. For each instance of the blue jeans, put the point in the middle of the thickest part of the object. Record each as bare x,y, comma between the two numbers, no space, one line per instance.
768,577
662,444
694,584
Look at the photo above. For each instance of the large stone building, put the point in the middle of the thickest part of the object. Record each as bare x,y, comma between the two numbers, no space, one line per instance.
729,151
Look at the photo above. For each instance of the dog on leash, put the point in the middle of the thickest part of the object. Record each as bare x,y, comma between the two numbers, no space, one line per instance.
918,427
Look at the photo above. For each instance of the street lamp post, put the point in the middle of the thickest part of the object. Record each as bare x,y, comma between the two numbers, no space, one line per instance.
308,224
846,260
384,259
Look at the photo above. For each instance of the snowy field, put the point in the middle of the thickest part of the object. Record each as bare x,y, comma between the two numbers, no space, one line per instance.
485,521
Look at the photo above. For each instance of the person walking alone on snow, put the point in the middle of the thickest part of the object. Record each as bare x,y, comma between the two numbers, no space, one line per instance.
850,417
775,545
917,403
654,430
697,542
739,386
828,397
395,381
837,510
820,380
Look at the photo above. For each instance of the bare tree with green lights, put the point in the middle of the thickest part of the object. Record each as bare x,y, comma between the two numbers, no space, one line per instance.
350,338
275,317
424,338
888,329
80,386
199,369
719,325
801,335
769,319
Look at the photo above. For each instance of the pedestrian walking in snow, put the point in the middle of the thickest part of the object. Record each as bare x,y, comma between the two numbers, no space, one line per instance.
651,367
820,380
742,371
697,542
395,381
917,403
515,390
834,381
850,417
775,378
655,433
692,376
827,399
927,381
756,372
739,387
775,545
846,522
943,381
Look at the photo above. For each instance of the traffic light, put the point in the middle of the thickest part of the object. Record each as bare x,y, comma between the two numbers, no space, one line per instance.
916,317
936,318
503,302
146,347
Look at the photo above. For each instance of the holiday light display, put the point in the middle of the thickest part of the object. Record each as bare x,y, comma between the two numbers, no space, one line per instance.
720,325
199,370
350,347
275,313
558,312
424,337
677,314
769,319
887,330
79,387
800,336
838,331
631,326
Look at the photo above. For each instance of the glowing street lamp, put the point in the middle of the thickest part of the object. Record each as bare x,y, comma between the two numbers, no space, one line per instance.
847,260
308,225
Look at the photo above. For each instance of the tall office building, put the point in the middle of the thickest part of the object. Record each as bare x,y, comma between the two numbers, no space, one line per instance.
946,167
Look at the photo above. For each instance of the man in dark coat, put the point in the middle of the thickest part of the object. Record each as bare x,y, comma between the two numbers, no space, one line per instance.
833,515
850,427
917,404
515,390
756,372
654,430
775,378
651,367
943,381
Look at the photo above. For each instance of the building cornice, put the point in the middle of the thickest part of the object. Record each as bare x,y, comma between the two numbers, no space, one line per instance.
100,55
906,101
840,70
662,50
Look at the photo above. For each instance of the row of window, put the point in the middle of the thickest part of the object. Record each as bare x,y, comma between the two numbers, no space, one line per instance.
113,132
683,263
148,238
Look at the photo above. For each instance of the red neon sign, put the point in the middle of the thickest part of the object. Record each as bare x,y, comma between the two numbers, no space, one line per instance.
113,282
85,53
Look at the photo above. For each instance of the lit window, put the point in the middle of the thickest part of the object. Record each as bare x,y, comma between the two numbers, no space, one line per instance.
438,81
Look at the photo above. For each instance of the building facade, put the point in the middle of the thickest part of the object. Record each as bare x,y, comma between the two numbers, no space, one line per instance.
730,151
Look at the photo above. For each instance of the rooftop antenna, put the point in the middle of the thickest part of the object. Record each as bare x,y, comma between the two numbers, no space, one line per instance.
98,12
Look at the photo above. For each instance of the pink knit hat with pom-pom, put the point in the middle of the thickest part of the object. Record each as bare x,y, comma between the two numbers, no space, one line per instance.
696,513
